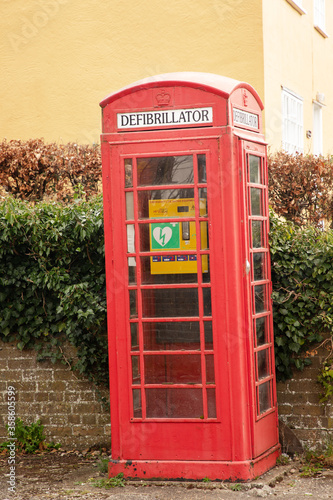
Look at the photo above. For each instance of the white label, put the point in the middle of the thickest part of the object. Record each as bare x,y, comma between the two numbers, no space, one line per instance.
245,119
166,118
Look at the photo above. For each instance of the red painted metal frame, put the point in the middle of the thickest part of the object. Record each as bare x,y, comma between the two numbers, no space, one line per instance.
240,443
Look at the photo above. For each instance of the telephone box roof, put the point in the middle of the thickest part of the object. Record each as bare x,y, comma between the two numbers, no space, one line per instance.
216,84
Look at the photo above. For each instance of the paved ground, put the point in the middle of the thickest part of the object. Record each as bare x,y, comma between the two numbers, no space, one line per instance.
66,476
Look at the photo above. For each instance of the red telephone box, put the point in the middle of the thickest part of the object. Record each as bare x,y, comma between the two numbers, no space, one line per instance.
188,280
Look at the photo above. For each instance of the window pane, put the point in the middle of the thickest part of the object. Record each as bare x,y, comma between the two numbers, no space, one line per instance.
170,302
133,304
172,369
128,173
174,403
134,337
259,271
264,397
165,170
203,202
166,203
144,231
254,169
257,234
204,235
164,236
263,364
261,330
211,403
137,407
129,205
205,266
210,371
208,335
319,13
136,379
131,270
158,265
292,122
259,298
130,238
202,174
207,301
256,202
174,335
170,236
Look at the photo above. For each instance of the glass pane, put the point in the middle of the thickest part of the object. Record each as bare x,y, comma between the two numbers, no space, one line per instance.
129,206
131,270
171,236
203,202
170,302
165,170
133,304
152,269
204,235
208,335
174,403
259,298
259,270
205,268
136,379
207,301
261,330
144,231
134,337
173,369
254,168
264,397
263,364
210,372
256,203
174,335
202,174
166,236
211,403
137,407
166,203
128,173
257,234
130,238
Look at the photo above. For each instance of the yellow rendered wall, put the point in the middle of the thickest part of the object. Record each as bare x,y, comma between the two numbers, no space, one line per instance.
60,58
301,59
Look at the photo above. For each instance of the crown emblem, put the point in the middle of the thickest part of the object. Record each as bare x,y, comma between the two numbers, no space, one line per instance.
163,98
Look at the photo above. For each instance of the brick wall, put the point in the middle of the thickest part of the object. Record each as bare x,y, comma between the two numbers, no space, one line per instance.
68,407
299,407
72,415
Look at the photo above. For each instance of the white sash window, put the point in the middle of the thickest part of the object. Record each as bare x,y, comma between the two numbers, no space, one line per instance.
292,122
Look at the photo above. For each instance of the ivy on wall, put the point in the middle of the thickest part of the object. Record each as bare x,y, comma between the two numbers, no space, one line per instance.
52,281
302,277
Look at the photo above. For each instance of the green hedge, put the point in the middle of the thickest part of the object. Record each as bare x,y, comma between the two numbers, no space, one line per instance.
52,284
52,281
302,276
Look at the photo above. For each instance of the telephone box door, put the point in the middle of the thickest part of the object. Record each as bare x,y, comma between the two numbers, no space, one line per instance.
165,201
253,157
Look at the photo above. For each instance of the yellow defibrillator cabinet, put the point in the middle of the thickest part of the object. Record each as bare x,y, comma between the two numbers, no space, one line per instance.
169,237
